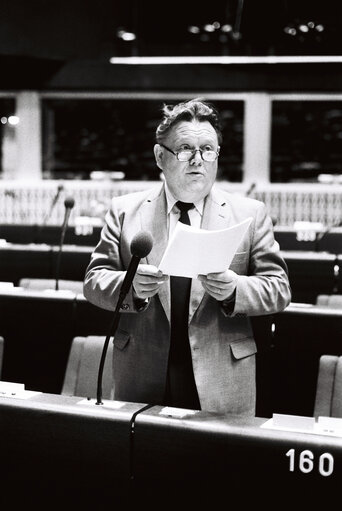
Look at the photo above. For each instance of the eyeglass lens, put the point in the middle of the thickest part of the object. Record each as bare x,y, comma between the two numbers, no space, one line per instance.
188,155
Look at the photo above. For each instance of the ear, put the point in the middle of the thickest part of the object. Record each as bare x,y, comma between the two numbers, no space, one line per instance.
158,154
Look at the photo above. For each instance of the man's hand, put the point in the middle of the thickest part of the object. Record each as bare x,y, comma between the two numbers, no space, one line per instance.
220,286
147,281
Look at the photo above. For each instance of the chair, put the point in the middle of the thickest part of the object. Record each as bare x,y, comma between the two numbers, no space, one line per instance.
45,284
82,368
328,399
333,301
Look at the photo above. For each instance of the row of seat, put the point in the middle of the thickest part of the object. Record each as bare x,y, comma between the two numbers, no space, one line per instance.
290,344
81,375
81,372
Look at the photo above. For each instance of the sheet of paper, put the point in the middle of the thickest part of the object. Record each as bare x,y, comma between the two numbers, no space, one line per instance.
191,251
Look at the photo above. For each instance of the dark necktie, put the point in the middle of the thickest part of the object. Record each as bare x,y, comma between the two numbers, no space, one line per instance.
181,388
180,286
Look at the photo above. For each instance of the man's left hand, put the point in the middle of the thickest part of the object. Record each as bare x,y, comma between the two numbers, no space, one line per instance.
220,286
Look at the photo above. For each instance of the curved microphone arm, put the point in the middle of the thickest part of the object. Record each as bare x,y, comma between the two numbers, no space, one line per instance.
69,204
141,246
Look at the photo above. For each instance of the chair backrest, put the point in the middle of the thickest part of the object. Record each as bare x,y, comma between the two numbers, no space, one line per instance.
328,400
82,368
333,301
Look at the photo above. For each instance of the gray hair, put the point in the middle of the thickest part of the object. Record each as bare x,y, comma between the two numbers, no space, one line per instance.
195,109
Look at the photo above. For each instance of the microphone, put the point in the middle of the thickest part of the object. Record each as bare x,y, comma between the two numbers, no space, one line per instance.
69,204
250,189
60,188
47,216
141,246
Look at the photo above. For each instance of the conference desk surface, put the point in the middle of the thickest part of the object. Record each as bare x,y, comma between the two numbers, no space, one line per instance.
144,451
40,261
311,273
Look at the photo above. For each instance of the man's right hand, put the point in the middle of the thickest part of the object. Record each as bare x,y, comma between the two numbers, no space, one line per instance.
147,281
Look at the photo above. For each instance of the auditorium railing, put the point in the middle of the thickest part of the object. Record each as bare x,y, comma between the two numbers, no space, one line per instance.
30,201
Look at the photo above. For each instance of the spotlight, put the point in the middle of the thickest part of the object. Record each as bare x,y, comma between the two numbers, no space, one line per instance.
209,27
126,36
226,28
193,29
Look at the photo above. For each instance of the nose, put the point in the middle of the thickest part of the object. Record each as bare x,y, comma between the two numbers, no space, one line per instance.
196,158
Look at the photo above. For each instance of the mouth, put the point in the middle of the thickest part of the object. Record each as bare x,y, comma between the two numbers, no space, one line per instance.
195,173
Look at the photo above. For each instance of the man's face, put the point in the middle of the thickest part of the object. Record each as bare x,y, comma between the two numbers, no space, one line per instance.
189,181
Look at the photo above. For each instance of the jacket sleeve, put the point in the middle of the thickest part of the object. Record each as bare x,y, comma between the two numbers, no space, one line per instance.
265,289
107,267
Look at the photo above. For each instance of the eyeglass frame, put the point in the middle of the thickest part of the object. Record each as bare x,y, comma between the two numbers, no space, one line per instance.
194,151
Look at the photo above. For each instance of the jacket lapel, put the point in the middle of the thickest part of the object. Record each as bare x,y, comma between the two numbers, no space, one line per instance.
153,219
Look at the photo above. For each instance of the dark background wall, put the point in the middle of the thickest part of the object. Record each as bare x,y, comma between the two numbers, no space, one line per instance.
66,44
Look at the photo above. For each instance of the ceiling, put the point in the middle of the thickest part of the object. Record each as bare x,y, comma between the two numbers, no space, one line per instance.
39,37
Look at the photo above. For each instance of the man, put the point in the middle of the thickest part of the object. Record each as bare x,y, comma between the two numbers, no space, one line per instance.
182,342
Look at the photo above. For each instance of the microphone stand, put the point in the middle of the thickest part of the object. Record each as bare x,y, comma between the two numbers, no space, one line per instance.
48,215
59,255
140,246
112,330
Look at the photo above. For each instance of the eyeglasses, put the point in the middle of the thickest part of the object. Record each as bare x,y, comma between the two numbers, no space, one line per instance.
187,154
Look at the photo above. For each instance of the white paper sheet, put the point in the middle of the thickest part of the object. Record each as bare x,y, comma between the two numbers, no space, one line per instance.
191,251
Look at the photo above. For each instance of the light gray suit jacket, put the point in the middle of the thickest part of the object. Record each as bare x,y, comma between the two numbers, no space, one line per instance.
222,344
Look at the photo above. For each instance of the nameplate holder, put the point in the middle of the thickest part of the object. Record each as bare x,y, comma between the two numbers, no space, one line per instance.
169,411
297,422
329,426
285,422
107,404
15,390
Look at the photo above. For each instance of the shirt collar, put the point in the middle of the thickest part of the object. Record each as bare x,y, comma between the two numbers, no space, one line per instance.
171,201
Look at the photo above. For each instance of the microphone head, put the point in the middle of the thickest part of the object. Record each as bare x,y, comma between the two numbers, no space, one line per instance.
141,244
69,202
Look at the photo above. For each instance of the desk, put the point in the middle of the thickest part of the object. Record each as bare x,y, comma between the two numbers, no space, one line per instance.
49,234
211,456
40,261
301,334
38,329
312,273
56,448
59,454
291,239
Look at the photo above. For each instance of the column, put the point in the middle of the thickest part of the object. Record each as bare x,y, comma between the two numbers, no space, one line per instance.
257,138
29,136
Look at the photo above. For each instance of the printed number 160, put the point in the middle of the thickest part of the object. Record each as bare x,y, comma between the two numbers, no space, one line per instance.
306,462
